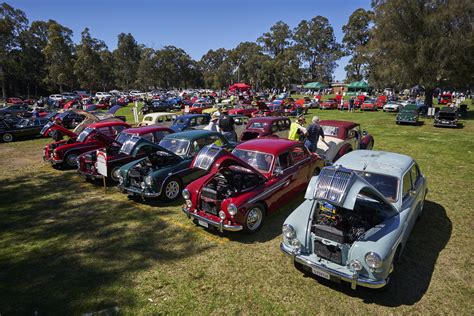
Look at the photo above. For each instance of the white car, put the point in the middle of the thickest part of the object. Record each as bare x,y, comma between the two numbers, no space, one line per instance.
136,93
69,95
56,97
102,95
392,106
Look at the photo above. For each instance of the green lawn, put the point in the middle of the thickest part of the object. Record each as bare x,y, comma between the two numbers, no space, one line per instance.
68,247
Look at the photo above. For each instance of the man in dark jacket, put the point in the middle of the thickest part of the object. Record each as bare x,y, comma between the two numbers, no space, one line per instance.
226,125
314,131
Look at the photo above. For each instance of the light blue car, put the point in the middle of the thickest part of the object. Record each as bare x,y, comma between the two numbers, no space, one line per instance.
356,218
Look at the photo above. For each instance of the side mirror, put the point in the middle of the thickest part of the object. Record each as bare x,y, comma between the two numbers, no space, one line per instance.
412,192
364,133
278,171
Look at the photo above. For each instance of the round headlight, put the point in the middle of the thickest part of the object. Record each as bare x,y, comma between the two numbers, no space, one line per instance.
186,194
373,260
232,209
222,214
148,180
143,185
288,231
355,265
295,243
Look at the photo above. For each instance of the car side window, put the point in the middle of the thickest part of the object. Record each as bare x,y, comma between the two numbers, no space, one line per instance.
198,144
298,154
192,122
281,125
148,136
284,161
415,173
159,135
117,129
406,184
274,127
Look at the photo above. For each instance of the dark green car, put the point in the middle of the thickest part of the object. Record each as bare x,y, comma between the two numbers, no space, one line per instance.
408,115
166,168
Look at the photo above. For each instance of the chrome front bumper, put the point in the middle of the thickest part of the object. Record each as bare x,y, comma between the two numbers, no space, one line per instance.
88,175
354,279
52,161
134,191
219,225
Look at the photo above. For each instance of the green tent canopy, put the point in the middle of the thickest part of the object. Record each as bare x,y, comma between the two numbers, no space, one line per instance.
315,85
358,85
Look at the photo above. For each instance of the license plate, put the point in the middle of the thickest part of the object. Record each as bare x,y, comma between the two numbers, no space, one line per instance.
203,223
321,273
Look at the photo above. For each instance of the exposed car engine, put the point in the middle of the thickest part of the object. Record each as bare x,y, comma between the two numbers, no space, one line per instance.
228,183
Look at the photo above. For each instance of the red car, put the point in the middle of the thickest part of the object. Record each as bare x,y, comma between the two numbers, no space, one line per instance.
344,106
197,108
87,160
369,105
243,187
64,153
329,104
446,98
15,101
359,100
258,127
381,101
244,110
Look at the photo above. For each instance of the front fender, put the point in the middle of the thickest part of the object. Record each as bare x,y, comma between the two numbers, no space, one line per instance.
300,219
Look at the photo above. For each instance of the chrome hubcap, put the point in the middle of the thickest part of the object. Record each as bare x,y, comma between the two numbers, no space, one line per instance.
7,137
114,174
172,190
254,218
71,160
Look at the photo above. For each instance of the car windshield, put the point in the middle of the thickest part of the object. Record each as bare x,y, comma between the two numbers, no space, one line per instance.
257,125
260,161
84,134
330,130
123,137
181,121
177,146
387,185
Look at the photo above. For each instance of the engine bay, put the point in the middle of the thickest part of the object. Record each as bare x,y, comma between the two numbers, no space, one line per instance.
228,183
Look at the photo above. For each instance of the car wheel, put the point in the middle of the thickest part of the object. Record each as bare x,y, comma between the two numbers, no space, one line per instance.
113,174
254,218
71,160
316,172
171,189
7,137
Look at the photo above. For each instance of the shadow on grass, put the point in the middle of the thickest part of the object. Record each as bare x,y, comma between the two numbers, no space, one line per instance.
412,274
65,250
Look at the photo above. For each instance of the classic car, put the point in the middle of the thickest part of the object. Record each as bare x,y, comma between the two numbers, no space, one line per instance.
392,106
197,108
156,106
328,104
408,115
166,168
258,127
356,218
445,98
243,187
23,128
369,105
359,100
190,121
64,153
342,137
446,117
114,159
68,119
161,118
344,106
14,101
15,109
381,101
246,110
240,123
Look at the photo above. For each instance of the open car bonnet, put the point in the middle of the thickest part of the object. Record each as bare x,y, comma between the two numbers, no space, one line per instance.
136,143
342,187
51,126
91,118
211,155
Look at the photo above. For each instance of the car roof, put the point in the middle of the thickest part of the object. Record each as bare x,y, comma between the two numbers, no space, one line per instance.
274,146
375,161
192,134
146,129
188,116
342,124
268,119
107,124
158,114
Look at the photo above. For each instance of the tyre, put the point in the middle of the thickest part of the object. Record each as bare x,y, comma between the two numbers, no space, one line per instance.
316,172
254,218
70,161
171,189
113,174
7,137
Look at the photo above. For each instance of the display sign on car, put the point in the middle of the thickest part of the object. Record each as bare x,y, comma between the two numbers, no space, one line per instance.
102,162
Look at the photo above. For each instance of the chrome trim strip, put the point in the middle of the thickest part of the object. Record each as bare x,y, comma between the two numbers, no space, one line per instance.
219,225
138,192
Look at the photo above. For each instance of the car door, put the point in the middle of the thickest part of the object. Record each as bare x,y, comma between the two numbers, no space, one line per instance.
284,181
301,160
410,196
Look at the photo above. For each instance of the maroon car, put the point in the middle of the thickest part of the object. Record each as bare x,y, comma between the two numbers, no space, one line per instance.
259,127
246,110
114,159
330,104
64,153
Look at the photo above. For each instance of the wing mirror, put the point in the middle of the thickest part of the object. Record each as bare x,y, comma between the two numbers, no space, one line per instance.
364,133
412,192
278,171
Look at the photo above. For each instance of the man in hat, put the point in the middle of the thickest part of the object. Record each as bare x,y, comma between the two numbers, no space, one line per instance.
297,130
314,131
213,126
226,126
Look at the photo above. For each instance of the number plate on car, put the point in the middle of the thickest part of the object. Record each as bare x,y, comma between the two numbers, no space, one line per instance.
321,273
203,223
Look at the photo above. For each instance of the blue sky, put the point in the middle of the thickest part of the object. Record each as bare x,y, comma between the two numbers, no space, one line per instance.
195,26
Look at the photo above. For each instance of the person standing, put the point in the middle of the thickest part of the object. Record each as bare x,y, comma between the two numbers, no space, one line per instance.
351,104
314,131
213,124
226,125
297,129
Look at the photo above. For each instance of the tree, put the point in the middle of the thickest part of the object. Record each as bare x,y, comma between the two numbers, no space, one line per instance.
126,57
12,23
277,40
210,65
147,69
88,66
426,42
357,34
317,47
247,59
59,57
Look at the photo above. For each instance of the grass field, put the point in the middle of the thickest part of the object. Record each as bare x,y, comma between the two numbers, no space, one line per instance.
68,247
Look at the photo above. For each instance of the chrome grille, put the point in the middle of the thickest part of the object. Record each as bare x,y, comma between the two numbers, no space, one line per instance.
206,157
332,184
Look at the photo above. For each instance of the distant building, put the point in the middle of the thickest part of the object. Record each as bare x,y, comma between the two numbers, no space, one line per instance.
338,87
